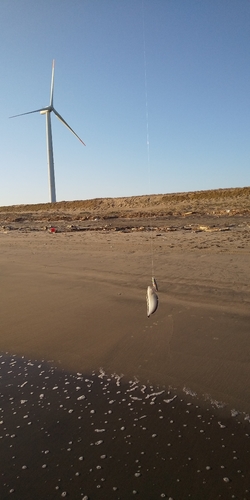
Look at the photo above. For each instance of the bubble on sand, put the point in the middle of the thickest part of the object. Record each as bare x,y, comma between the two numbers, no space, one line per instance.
234,413
217,404
222,426
189,392
170,400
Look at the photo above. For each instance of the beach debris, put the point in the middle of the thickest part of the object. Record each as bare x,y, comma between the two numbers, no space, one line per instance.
152,300
211,229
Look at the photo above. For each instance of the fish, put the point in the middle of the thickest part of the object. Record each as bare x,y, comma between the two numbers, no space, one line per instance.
152,300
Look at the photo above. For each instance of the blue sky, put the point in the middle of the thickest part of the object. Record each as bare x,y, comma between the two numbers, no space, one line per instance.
197,66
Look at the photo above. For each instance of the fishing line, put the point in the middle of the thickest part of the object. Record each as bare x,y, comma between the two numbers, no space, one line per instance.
147,137
151,297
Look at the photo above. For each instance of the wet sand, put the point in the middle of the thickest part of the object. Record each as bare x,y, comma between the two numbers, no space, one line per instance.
97,437
73,304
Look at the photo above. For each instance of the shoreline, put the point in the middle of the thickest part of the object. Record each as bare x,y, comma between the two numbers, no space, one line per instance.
80,299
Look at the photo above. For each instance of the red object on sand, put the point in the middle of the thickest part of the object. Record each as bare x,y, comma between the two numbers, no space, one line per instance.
53,230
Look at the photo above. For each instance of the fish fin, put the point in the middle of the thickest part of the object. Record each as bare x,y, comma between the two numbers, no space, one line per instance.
154,283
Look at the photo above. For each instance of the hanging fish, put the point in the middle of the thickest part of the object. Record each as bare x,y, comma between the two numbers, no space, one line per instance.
152,300
154,283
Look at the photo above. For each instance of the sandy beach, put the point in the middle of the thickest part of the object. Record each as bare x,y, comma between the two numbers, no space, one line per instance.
166,397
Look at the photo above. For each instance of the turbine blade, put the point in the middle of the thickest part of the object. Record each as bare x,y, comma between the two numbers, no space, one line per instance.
66,124
52,84
29,112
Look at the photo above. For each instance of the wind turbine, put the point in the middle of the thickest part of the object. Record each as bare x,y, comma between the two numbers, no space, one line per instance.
47,111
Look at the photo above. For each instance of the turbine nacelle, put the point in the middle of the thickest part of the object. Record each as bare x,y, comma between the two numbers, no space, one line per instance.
48,109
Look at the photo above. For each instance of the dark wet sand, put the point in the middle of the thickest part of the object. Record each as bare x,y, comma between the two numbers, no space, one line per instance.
77,302
98,437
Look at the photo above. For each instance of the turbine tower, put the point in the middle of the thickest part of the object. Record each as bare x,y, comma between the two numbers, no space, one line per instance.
47,111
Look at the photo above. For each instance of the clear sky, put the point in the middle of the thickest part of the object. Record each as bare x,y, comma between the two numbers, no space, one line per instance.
197,62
